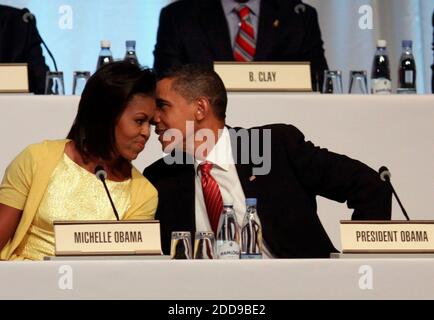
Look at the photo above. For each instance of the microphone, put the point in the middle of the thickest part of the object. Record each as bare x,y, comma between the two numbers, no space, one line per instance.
300,8
28,17
385,176
101,174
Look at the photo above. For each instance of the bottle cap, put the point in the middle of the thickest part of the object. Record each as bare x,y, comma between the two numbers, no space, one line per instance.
105,44
407,43
382,43
130,43
251,202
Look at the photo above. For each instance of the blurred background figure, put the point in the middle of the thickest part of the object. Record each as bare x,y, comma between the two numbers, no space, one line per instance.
432,66
239,30
20,42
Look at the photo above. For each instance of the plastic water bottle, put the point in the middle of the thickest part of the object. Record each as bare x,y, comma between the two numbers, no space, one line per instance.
228,239
251,232
105,55
381,81
407,69
130,54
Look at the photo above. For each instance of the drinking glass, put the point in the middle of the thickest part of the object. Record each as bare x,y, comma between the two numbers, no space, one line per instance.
204,245
332,82
54,83
180,246
358,82
79,81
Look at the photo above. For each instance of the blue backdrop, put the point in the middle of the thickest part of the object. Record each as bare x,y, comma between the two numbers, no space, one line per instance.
73,29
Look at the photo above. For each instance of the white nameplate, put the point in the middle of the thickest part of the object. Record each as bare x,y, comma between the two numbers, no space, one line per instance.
107,237
13,77
265,76
387,236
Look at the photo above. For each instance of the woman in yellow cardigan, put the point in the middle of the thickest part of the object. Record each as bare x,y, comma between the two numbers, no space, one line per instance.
55,180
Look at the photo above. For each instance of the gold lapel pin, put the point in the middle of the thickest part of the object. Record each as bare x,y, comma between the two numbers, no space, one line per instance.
252,178
276,23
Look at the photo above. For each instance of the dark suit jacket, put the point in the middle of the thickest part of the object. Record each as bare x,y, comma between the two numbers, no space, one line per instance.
20,43
432,66
196,31
286,196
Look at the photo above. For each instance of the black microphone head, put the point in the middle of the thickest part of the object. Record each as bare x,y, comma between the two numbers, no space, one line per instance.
100,172
28,16
300,8
384,173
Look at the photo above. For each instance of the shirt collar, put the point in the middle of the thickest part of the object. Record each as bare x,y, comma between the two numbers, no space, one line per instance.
221,155
230,5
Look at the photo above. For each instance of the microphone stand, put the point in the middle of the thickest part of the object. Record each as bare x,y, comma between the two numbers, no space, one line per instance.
101,174
385,176
110,198
399,201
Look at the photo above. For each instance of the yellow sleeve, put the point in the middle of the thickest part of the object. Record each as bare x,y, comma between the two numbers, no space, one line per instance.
17,180
144,200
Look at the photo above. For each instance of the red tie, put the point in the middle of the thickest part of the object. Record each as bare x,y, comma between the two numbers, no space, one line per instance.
245,44
212,196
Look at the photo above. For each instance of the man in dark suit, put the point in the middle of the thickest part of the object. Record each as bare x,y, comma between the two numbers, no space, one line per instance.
20,42
191,104
195,31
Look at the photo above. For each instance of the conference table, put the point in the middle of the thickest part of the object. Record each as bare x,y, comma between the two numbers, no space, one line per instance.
396,131
380,278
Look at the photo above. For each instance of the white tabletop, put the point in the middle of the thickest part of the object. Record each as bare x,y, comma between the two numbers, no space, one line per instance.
217,279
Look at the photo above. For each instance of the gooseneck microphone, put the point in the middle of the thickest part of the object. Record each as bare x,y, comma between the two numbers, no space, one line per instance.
28,17
385,176
300,8
101,174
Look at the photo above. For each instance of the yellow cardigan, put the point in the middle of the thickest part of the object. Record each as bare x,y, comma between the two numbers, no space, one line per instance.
27,178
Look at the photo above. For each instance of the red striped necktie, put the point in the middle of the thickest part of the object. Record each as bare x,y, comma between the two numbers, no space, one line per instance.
245,43
211,194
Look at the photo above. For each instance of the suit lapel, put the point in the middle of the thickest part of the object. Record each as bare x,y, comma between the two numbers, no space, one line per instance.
215,26
268,29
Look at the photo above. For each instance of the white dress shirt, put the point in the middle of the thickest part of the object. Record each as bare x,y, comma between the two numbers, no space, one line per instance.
225,174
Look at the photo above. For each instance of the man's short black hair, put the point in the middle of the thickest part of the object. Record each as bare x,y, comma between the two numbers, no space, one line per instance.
193,81
102,103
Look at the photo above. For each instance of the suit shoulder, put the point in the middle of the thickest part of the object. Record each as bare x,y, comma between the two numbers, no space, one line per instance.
180,7
167,169
279,132
301,8
16,21
279,128
295,7
155,166
12,13
168,165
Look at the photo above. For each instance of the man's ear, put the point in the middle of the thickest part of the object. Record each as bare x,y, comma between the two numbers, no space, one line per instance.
203,109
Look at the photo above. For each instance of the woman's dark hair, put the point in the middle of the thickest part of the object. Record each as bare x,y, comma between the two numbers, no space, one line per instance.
102,102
